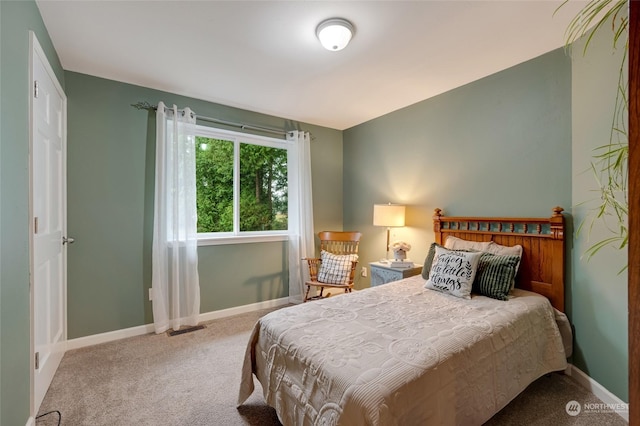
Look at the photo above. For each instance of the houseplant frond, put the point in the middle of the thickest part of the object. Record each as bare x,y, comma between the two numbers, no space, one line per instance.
609,162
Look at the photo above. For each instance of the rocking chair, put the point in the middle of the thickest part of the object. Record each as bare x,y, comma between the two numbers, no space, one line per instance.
336,266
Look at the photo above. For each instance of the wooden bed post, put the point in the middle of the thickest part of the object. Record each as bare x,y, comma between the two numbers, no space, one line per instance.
437,224
557,274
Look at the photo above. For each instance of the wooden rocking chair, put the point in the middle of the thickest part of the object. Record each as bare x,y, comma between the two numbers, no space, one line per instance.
340,253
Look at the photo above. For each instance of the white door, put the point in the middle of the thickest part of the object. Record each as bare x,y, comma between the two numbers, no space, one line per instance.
48,222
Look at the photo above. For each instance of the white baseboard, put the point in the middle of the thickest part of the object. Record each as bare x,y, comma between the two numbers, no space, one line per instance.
110,336
597,389
244,309
31,422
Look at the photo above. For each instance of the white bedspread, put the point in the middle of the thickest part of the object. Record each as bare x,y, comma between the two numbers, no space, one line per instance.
399,354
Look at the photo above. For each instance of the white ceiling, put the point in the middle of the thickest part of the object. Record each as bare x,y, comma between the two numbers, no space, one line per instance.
264,56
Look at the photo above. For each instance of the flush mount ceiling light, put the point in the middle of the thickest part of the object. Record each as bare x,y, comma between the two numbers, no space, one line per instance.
335,33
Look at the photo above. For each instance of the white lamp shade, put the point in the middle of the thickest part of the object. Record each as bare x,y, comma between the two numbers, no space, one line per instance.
335,34
389,215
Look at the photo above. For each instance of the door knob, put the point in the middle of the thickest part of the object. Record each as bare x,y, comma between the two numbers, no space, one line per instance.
69,240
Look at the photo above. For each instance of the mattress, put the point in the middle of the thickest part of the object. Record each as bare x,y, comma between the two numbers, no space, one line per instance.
400,354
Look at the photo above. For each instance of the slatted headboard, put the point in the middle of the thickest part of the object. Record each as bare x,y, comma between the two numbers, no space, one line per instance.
542,268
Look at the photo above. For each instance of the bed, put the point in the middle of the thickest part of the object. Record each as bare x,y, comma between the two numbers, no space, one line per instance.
402,354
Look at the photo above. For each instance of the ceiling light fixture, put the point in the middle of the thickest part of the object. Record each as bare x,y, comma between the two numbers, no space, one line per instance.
335,33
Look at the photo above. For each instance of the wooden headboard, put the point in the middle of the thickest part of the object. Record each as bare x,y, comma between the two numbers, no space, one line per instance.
542,268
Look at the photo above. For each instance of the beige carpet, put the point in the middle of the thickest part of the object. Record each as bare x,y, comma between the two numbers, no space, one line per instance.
193,379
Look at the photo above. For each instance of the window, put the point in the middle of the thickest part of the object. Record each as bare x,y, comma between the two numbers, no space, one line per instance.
241,184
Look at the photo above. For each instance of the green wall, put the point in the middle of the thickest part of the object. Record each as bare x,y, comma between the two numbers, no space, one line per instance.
16,19
111,157
598,303
513,144
500,146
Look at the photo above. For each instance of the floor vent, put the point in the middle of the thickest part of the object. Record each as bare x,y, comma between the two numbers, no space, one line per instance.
184,330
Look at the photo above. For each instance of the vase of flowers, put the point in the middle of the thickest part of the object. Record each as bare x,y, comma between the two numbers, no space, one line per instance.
400,249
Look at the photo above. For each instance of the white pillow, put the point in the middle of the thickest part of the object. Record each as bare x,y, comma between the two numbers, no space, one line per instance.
455,243
495,248
335,268
452,272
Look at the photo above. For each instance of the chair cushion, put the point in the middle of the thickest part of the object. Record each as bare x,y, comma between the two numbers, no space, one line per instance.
335,268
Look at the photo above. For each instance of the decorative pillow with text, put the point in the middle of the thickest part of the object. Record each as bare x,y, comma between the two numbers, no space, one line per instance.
452,272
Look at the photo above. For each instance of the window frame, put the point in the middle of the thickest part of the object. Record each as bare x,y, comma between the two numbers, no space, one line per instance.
237,236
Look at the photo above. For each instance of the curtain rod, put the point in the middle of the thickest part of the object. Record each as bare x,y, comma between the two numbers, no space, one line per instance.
148,106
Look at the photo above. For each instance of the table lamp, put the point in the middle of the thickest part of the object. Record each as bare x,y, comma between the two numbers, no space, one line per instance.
389,215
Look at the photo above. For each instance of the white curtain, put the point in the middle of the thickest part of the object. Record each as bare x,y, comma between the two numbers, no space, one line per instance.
301,238
175,283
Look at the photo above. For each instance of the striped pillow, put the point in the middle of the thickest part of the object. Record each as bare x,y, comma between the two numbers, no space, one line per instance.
516,250
495,275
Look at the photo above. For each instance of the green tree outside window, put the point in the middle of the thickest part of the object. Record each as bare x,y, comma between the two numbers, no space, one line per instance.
263,186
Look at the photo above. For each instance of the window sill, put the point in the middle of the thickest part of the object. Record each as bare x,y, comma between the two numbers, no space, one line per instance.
207,240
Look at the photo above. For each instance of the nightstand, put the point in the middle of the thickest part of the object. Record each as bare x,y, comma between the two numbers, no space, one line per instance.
381,273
